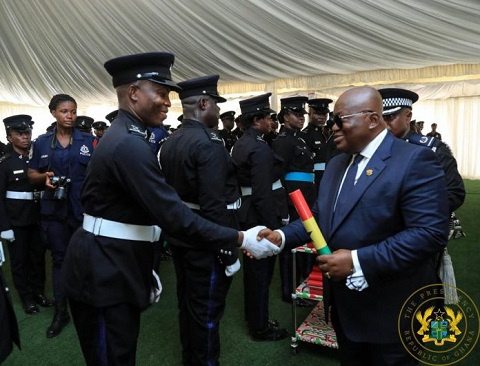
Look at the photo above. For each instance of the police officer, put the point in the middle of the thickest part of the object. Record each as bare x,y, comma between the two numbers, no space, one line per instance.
314,136
111,116
108,267
259,173
59,162
299,174
273,133
20,216
238,131
99,128
397,112
228,120
84,124
189,159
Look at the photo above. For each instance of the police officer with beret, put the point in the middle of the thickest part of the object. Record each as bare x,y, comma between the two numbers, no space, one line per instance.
108,272
20,216
190,158
228,121
59,162
314,135
299,174
259,174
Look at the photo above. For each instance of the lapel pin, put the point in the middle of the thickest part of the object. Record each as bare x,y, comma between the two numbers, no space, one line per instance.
369,172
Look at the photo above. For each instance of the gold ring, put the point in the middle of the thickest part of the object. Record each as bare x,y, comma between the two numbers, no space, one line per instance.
328,275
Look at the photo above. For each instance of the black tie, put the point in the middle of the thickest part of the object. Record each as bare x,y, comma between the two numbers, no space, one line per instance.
347,188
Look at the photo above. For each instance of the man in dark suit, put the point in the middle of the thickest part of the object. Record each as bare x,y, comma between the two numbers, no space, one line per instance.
383,229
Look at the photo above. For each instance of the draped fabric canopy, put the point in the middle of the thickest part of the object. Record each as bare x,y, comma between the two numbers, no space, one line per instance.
311,47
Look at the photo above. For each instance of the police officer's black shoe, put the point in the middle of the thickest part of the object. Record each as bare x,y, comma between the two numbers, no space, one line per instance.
60,319
271,333
42,300
30,308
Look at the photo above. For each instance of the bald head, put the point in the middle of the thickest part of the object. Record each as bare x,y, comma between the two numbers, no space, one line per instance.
360,112
361,99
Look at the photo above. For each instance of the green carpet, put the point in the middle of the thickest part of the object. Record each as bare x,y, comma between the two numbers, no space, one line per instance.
159,344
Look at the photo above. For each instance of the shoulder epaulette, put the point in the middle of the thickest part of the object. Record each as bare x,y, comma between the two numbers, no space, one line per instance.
4,157
214,136
133,129
421,140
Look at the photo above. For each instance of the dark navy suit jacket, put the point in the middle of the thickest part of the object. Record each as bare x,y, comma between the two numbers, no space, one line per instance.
397,221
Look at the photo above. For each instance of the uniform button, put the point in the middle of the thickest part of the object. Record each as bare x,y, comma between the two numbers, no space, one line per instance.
221,251
229,252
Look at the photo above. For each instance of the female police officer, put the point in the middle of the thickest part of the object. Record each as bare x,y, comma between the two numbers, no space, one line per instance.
299,174
59,160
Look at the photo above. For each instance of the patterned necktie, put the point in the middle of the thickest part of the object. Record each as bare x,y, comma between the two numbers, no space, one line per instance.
347,188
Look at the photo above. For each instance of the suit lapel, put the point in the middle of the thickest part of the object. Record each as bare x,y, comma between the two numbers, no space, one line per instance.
370,173
335,185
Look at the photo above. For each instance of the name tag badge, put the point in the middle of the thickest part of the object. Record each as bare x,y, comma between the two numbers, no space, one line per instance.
18,171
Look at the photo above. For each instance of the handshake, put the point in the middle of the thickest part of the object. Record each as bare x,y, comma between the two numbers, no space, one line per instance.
257,245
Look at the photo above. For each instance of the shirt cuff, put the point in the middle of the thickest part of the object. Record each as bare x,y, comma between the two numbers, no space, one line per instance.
356,264
282,234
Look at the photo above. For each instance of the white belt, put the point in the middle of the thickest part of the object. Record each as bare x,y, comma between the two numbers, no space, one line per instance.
247,191
319,166
119,230
232,206
19,195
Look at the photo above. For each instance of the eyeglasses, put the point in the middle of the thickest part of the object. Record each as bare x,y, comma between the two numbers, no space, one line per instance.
338,120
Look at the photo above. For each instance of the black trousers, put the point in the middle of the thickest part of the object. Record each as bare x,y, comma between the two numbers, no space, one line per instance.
27,261
107,335
202,287
257,276
371,354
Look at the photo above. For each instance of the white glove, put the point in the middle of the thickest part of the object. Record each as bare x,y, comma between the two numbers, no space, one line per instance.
7,235
259,249
233,268
156,289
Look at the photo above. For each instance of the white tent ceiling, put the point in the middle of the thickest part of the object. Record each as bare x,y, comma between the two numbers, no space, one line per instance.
308,47
51,46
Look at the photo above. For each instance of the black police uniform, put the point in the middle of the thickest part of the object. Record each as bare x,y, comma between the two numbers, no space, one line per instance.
229,138
196,163
124,184
259,174
299,174
8,322
20,212
316,141
455,185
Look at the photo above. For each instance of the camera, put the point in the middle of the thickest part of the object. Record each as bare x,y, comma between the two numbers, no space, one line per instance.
61,185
